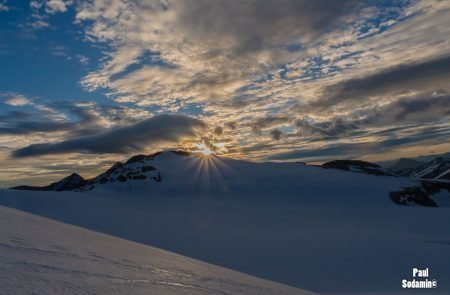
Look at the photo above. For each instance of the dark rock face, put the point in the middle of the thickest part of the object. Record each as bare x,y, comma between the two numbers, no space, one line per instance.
136,168
138,158
412,195
147,168
356,166
421,194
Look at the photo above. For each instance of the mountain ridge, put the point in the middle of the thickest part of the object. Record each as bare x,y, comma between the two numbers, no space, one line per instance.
179,172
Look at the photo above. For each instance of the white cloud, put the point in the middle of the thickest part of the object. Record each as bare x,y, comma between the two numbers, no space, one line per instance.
54,6
39,24
18,100
84,60
35,5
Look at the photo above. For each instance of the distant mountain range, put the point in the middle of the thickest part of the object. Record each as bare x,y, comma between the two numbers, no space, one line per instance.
136,168
185,172
437,168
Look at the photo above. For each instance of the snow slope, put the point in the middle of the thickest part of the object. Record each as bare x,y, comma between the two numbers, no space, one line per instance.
41,256
325,230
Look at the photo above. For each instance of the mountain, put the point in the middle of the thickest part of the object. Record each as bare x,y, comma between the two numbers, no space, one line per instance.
42,256
178,172
404,166
136,168
434,169
357,166
68,183
142,167
437,169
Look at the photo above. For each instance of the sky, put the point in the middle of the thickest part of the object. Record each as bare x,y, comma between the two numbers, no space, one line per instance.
84,84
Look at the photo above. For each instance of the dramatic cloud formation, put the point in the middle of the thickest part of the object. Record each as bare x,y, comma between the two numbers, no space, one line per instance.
406,78
126,139
257,25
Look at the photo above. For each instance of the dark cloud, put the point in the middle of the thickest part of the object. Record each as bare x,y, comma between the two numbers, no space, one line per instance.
425,76
309,128
431,135
406,110
218,131
276,134
15,115
268,122
416,109
231,125
40,120
132,138
245,26
336,127
90,122
20,123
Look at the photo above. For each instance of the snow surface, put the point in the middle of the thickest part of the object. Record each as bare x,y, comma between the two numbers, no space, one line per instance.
324,230
41,256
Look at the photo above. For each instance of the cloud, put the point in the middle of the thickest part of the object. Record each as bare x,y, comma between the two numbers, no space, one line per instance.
214,48
54,6
415,109
422,136
35,4
258,24
126,139
312,73
39,24
218,131
21,128
46,118
84,60
18,100
3,7
423,76
266,122
276,134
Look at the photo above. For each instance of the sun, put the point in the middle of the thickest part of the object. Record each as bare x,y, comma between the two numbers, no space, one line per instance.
204,149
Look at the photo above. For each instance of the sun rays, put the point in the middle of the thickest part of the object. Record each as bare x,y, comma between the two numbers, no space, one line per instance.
209,171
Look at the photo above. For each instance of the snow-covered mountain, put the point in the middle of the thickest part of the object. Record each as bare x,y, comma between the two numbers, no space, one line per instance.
178,172
45,257
438,168
404,166
136,168
426,167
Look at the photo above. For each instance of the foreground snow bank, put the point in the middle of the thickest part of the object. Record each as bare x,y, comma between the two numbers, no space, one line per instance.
328,244
41,256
